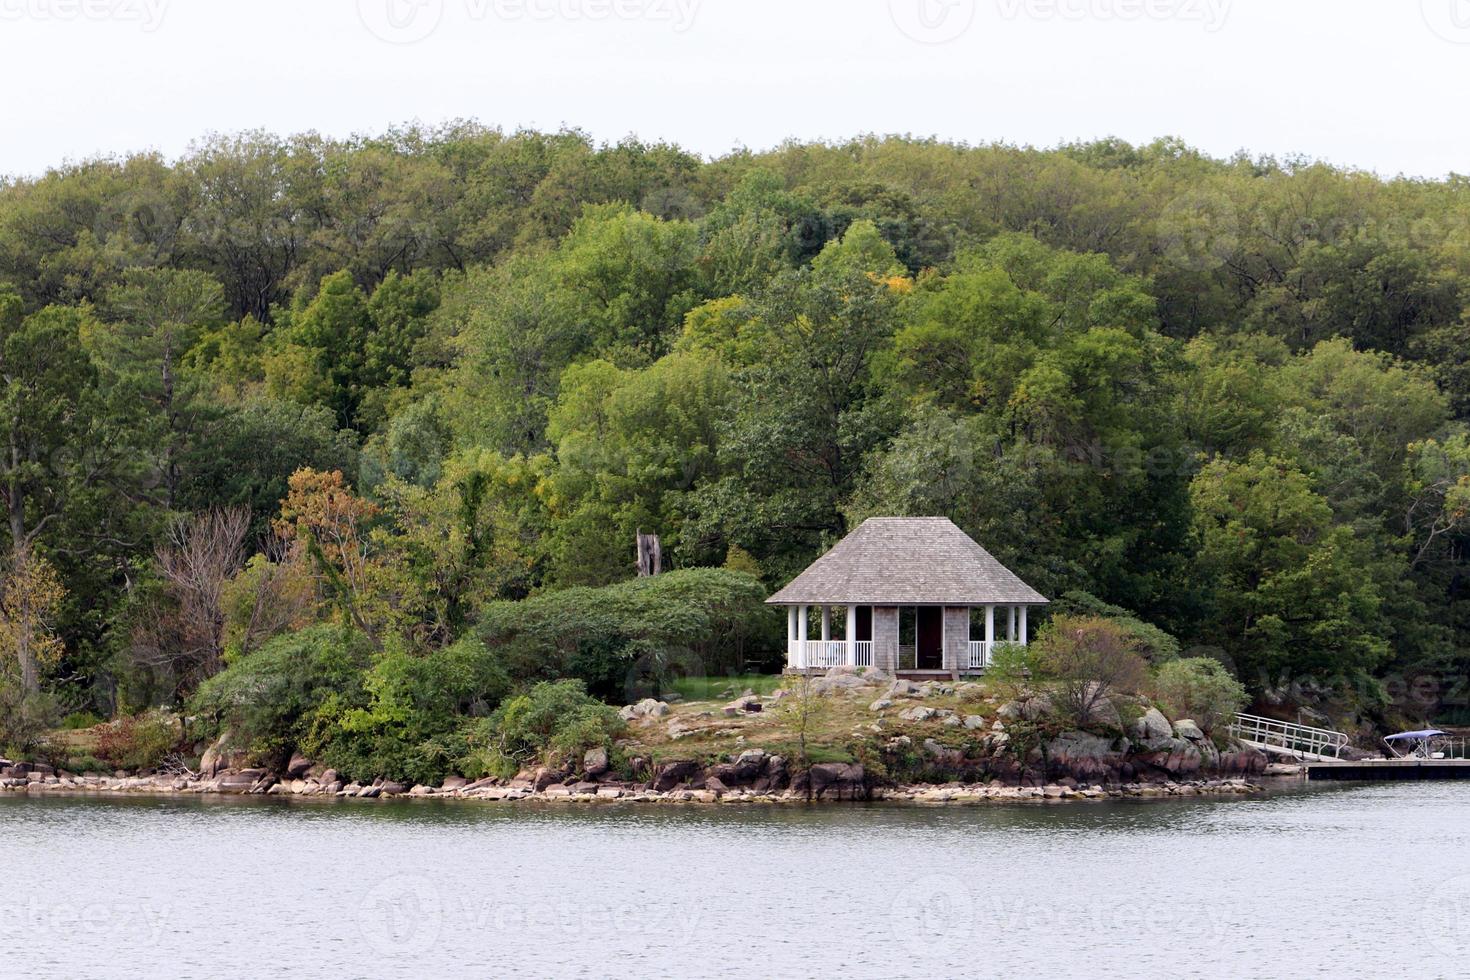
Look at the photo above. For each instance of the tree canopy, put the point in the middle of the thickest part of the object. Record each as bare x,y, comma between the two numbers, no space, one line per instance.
445,371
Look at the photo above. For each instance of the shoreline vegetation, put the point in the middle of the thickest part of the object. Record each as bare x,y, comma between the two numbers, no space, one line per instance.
848,735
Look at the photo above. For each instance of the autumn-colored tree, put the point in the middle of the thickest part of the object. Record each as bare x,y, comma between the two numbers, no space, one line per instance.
322,516
32,594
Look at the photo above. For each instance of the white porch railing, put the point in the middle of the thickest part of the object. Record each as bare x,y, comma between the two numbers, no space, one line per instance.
832,653
840,653
825,653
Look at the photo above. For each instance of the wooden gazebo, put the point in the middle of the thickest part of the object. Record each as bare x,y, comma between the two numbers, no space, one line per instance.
914,593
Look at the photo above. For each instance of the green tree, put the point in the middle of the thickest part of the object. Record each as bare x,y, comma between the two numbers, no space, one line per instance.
1290,597
158,316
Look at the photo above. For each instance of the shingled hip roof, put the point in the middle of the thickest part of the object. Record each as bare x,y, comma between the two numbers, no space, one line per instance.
907,561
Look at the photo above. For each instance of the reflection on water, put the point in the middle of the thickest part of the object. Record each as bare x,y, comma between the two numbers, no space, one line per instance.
164,887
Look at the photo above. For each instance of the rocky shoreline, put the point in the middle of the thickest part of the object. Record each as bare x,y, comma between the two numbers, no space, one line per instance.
824,783
928,743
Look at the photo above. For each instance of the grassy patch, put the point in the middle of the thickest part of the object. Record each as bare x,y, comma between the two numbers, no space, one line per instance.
724,688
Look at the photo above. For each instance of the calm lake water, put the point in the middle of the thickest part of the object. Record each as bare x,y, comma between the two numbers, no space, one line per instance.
1355,881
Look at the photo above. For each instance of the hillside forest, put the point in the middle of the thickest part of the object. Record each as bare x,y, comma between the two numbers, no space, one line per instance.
374,422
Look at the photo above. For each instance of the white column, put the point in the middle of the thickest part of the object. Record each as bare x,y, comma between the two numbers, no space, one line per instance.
791,652
1022,638
989,626
1011,625
801,634
826,623
851,635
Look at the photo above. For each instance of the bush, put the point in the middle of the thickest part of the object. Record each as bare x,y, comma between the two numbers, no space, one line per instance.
555,723
1088,661
78,720
710,616
268,700
23,721
1014,667
1154,645
411,726
140,742
1200,689
323,692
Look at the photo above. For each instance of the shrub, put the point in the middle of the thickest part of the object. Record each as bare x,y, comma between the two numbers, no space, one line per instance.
138,742
707,615
84,763
1154,645
268,700
1014,667
322,691
1088,661
554,722
78,720
1201,689
24,719
411,724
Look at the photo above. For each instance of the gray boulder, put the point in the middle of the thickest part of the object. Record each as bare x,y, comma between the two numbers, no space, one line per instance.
1151,727
749,764
647,708
675,772
838,781
1185,728
1085,756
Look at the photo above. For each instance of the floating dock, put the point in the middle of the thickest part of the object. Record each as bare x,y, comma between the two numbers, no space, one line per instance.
1386,770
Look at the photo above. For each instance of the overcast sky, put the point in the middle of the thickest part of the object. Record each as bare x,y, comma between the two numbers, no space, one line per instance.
1378,84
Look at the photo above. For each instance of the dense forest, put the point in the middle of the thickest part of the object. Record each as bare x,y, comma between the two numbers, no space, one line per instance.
393,408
